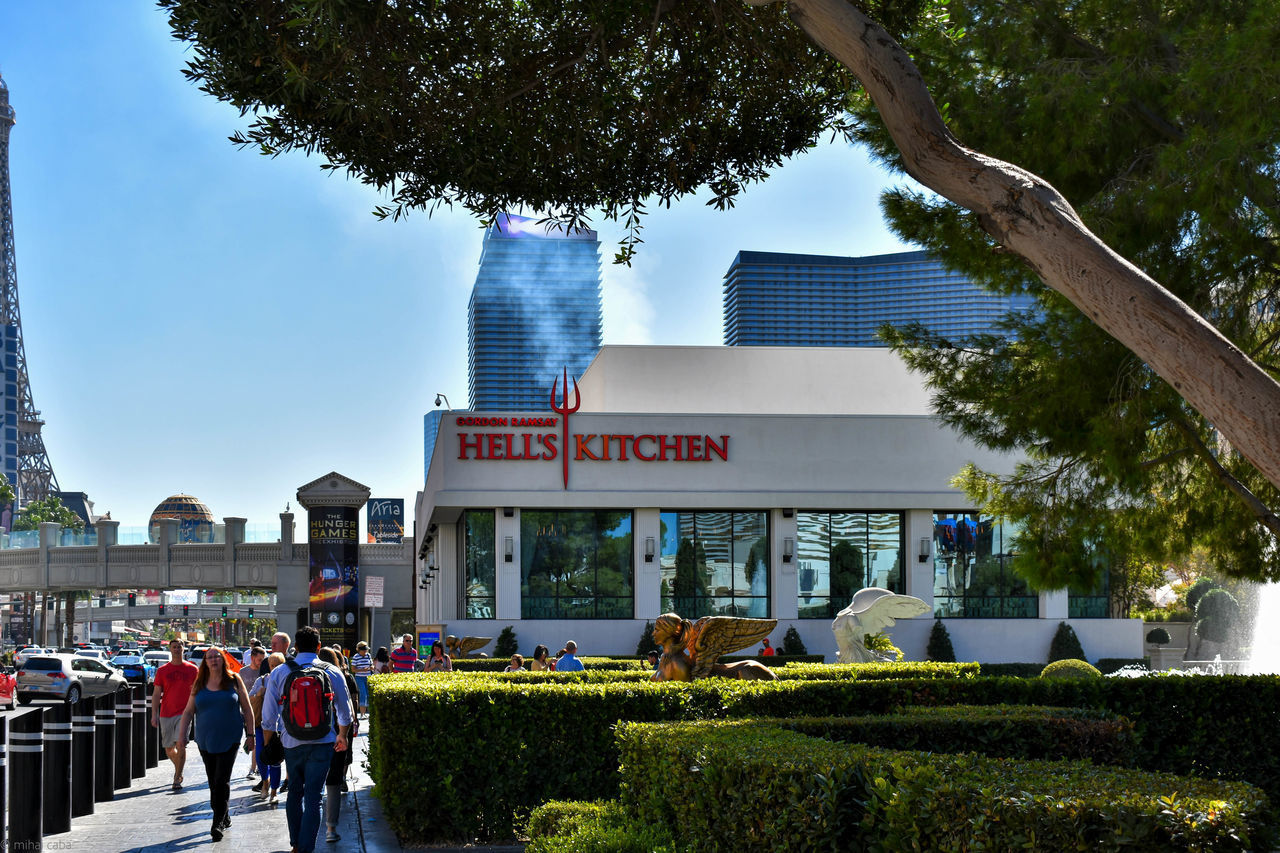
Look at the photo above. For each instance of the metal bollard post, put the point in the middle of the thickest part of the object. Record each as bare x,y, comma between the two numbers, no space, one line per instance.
104,749
25,821
4,731
153,733
57,768
138,760
82,758
124,740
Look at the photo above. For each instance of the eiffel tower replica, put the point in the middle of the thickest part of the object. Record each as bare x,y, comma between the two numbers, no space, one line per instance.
32,475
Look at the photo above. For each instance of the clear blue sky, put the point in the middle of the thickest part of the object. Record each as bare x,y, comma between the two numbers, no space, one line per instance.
202,319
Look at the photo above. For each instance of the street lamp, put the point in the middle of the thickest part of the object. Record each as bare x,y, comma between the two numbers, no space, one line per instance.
442,398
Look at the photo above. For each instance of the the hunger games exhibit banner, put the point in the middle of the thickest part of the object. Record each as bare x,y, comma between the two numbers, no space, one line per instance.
384,520
334,542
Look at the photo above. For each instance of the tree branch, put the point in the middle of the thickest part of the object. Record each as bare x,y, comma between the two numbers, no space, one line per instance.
1260,510
1028,216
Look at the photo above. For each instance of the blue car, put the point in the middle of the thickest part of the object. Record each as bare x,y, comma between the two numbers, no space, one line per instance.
135,668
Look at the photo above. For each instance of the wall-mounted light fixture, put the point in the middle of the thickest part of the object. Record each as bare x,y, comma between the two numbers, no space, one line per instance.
648,549
924,550
509,548
788,513
788,549
508,512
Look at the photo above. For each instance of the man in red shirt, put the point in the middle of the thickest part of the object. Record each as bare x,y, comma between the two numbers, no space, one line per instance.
768,649
169,700
404,656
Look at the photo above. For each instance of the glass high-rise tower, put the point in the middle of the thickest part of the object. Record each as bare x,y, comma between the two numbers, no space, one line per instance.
781,299
534,312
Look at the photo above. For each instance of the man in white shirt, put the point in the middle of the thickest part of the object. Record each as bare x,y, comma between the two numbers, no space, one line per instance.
307,761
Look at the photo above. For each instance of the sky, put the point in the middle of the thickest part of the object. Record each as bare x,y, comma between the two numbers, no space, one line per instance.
199,318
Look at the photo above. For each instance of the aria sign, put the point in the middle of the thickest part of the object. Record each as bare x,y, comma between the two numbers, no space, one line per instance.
515,439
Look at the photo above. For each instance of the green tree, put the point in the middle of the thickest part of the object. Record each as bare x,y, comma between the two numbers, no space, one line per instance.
30,518
1169,159
506,644
1216,614
940,648
1065,644
577,105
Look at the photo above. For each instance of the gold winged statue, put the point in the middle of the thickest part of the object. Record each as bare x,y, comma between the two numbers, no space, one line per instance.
691,649
466,646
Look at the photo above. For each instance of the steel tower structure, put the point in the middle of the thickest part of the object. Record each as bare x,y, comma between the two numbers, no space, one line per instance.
22,455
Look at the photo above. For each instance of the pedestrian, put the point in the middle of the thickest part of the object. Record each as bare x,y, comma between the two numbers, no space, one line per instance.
539,661
307,759
654,656
247,657
220,705
569,662
269,786
381,661
767,651
249,675
438,661
168,700
404,656
280,643
516,665
361,669
335,784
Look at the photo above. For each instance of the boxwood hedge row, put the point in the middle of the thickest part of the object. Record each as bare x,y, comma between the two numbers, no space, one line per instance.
752,786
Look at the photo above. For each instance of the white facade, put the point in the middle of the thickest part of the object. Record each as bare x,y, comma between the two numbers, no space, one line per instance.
776,430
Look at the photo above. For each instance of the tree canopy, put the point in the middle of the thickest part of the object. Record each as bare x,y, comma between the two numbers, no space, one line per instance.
49,509
582,104
1171,159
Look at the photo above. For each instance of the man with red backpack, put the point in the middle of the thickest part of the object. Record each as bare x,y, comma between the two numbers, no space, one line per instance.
304,697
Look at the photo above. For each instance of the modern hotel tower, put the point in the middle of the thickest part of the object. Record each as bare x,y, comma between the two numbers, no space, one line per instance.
534,313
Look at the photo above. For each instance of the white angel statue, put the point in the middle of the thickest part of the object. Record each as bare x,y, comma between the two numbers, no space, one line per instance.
871,611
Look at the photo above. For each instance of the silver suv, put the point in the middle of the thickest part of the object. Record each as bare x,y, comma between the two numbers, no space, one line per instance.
67,677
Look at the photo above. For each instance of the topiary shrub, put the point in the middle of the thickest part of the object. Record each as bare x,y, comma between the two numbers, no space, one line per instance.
792,644
506,646
1198,590
940,648
1070,668
1216,613
1065,645
646,640
1158,637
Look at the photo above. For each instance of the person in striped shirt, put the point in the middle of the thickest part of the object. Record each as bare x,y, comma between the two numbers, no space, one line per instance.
361,669
404,656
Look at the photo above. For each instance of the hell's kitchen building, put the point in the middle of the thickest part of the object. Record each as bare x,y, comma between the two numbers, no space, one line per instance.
762,481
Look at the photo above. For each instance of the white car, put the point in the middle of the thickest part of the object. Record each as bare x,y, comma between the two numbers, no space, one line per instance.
20,656
96,654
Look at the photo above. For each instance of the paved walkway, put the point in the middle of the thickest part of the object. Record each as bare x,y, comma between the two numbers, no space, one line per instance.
149,817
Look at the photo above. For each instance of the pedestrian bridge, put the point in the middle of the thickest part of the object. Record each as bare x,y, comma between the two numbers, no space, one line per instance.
169,564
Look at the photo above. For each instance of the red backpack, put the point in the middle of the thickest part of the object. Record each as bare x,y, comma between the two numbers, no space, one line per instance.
307,700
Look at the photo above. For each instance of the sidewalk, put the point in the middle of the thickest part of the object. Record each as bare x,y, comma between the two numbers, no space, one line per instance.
149,817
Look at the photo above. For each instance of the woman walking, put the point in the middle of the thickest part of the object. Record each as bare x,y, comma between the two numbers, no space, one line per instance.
336,782
257,692
361,669
220,705
382,661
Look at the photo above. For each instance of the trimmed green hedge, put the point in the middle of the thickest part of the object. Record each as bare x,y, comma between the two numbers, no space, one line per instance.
877,671
575,827
500,745
1012,670
499,664
750,786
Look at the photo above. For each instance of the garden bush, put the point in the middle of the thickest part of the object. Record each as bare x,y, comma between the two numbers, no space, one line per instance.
1158,636
523,739
877,671
792,644
940,648
595,827
1012,670
506,644
1216,613
756,787
499,664
1065,644
1070,668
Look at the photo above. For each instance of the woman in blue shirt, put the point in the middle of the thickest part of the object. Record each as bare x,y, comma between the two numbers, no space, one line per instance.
220,704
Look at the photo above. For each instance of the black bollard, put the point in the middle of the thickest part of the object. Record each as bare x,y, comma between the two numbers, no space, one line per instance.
25,789
104,749
4,731
153,733
82,758
138,761
124,740
57,769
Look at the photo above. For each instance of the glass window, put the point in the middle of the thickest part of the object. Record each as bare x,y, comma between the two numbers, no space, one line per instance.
972,569
715,563
479,563
1093,602
839,553
576,564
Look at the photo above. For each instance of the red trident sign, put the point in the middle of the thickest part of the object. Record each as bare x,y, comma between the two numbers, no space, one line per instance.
562,406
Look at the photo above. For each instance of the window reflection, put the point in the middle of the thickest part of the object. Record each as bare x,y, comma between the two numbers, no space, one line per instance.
715,563
479,563
576,564
839,553
972,569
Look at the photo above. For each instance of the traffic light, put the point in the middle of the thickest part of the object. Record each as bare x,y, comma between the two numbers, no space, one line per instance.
161,609
224,611
250,612
185,610
133,599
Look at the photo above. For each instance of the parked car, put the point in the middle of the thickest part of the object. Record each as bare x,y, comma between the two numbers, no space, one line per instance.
67,677
135,668
8,685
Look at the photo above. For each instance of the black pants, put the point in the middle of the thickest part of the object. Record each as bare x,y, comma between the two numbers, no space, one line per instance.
218,767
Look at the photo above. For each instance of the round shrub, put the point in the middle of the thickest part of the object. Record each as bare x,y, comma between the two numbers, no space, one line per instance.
1158,636
1198,590
1070,669
1216,613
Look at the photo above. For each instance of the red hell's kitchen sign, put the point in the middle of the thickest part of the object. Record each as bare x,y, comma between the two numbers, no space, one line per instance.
534,439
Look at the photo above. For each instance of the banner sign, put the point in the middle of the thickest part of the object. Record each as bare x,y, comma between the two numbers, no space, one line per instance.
334,545
384,520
